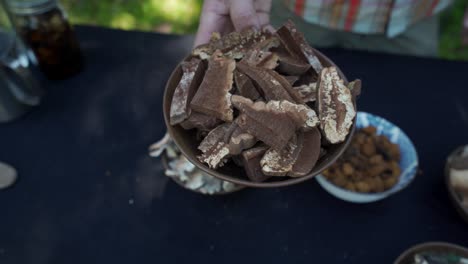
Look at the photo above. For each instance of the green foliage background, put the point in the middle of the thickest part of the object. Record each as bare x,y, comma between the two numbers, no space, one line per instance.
451,31
182,16
174,16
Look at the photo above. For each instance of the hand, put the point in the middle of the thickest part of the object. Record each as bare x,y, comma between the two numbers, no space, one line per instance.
224,16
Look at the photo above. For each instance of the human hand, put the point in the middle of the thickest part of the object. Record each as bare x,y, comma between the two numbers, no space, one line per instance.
225,16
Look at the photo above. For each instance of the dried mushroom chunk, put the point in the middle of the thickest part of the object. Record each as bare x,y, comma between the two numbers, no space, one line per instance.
335,106
192,75
236,44
291,66
280,162
223,142
355,88
308,92
307,78
261,59
214,148
269,61
240,140
245,87
266,42
296,44
287,86
200,121
303,116
256,119
270,88
250,160
292,79
259,125
213,97
309,154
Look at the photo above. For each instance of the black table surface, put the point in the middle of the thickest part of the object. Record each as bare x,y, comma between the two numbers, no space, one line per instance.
89,193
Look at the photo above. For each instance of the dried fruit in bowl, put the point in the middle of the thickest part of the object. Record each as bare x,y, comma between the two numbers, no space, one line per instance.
369,165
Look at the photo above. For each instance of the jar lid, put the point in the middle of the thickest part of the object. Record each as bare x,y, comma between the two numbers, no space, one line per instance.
27,7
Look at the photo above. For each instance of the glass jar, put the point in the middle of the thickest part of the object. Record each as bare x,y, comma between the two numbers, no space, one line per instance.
19,90
44,28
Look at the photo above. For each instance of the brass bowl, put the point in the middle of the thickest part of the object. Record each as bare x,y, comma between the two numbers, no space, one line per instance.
442,247
187,143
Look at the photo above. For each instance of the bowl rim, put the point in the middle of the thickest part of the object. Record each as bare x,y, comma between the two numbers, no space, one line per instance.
452,194
381,195
245,182
426,245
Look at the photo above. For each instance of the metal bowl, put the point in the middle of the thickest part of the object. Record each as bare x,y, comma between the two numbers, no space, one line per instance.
187,143
442,247
453,195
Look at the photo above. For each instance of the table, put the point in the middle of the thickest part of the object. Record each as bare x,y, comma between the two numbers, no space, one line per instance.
89,193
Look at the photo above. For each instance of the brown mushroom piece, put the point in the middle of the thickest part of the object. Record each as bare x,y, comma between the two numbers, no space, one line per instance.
291,66
291,79
308,155
192,75
240,140
287,86
213,97
236,44
355,88
270,88
200,121
250,160
245,87
223,142
280,162
214,148
335,106
261,59
308,92
256,119
269,61
303,116
296,44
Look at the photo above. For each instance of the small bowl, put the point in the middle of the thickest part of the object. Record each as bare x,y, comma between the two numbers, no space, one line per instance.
453,195
408,162
188,145
442,247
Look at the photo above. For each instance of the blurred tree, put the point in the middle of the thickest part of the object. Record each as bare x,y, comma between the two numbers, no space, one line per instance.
451,46
182,16
172,16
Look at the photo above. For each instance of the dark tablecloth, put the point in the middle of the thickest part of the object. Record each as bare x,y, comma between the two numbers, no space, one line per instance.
89,193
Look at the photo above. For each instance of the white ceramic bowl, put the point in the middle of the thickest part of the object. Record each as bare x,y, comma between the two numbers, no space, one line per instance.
408,162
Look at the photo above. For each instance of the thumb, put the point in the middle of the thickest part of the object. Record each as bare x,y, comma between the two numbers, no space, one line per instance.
243,14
